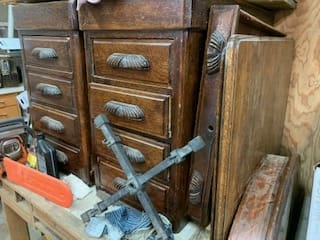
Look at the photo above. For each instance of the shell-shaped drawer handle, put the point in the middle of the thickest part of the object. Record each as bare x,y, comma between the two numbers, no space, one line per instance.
214,52
119,183
49,90
44,53
195,188
133,154
128,61
124,110
62,157
52,124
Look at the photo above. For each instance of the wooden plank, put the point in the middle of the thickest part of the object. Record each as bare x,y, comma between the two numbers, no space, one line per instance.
265,207
302,124
46,212
17,227
59,15
275,4
257,72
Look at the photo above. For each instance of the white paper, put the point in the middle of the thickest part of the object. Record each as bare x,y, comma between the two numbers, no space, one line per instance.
78,187
23,100
10,44
313,232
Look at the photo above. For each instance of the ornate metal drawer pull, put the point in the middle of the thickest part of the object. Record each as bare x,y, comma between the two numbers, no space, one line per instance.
125,110
134,155
52,124
119,183
62,157
214,52
128,61
44,53
195,188
48,89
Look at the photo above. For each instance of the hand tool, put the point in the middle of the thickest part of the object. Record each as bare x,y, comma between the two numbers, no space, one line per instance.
136,183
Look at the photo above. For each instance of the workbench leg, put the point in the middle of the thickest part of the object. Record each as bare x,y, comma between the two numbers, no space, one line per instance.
17,227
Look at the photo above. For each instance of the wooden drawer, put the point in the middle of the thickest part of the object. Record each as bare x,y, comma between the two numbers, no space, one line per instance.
9,112
69,153
143,153
133,59
133,109
8,100
141,14
108,173
51,90
61,125
48,52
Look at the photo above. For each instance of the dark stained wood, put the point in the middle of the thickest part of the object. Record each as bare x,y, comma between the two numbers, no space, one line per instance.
275,4
222,21
158,193
136,14
58,15
45,119
54,25
173,114
253,111
153,151
225,20
156,52
61,45
265,207
154,123
265,15
64,100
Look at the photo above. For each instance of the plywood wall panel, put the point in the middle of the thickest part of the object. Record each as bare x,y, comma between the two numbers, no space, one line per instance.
302,124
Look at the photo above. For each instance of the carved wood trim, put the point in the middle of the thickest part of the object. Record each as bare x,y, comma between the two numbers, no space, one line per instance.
195,188
128,61
214,52
134,155
52,124
44,53
125,110
49,90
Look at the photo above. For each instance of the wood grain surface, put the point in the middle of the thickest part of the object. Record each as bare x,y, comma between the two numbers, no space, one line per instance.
302,124
267,202
253,112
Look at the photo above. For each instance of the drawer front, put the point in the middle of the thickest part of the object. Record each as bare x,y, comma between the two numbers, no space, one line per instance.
135,14
8,100
145,60
49,52
143,153
51,90
61,125
68,155
9,112
133,109
108,181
